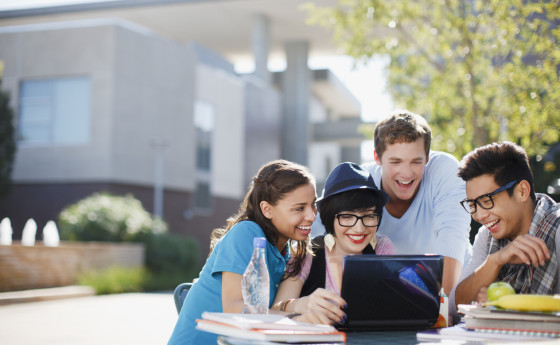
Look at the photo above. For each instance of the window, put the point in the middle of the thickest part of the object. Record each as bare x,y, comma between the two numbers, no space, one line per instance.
202,196
204,126
55,111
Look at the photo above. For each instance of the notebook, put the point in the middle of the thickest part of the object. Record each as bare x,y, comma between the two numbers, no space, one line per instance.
388,292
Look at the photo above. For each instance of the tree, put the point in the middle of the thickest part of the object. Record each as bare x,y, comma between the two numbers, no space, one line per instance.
479,71
7,140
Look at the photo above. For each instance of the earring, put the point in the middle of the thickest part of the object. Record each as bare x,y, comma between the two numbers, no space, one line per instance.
373,241
329,241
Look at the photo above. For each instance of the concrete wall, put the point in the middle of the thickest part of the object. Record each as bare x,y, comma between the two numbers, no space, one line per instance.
153,102
33,267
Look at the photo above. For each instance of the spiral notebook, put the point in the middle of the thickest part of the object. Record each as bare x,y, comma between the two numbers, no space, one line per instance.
385,292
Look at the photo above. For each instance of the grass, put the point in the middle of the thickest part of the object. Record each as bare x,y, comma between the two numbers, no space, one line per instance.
125,279
115,279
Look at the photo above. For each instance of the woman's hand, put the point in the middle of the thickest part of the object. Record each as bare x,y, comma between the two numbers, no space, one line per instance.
321,307
482,296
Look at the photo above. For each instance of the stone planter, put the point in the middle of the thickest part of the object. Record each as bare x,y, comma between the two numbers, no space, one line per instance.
33,267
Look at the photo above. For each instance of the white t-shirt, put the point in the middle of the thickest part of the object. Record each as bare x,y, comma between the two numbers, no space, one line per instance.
435,222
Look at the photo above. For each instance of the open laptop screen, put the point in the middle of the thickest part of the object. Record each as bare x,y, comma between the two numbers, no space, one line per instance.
391,291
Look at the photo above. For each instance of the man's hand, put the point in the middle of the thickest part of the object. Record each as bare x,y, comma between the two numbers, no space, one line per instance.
524,249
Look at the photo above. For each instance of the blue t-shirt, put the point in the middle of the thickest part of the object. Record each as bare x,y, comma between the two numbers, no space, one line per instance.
231,254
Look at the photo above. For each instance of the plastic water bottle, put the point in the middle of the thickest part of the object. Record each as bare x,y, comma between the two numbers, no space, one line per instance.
255,284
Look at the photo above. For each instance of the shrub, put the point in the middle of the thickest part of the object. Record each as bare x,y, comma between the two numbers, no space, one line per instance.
170,259
105,217
7,141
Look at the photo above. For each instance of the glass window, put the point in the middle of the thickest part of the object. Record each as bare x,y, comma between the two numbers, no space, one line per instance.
55,111
203,199
204,117
204,124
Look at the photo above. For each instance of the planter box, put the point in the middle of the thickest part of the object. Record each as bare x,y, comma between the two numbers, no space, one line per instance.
33,267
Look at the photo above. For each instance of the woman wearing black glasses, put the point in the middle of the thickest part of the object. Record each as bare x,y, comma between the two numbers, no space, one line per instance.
350,208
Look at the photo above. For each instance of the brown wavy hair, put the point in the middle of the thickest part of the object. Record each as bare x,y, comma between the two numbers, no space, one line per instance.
273,181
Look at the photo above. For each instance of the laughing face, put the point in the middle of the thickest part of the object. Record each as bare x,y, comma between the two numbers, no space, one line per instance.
293,215
505,219
402,166
353,240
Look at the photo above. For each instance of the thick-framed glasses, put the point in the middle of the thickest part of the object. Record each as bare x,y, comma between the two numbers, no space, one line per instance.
348,220
485,200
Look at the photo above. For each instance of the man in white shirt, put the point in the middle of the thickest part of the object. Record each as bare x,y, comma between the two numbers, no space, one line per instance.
423,214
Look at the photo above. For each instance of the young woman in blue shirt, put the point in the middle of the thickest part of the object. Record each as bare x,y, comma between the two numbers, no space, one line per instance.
280,205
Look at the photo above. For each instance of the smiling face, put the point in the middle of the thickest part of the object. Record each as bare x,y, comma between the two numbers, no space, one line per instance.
509,217
350,241
292,215
402,166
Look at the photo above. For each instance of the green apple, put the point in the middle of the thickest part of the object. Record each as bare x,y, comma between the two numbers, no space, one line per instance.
499,289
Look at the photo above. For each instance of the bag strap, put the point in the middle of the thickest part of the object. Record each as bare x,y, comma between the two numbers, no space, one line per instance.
318,270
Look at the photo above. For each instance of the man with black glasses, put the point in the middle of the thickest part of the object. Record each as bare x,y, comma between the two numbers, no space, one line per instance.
519,241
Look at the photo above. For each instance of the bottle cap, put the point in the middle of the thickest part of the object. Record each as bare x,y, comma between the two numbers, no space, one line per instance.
259,242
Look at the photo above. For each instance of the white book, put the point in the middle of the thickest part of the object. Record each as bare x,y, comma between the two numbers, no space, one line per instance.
267,327
460,332
491,312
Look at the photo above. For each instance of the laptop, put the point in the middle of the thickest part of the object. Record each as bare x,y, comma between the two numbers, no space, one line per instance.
389,292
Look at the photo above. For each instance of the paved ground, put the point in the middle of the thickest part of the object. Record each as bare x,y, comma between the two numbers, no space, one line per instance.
132,318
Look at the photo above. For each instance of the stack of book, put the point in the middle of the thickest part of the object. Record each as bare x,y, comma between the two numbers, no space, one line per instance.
268,327
494,320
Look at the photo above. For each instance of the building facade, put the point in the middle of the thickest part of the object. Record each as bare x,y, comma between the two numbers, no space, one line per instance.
104,104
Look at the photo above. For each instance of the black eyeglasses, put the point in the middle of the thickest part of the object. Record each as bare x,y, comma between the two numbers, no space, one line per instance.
485,200
349,220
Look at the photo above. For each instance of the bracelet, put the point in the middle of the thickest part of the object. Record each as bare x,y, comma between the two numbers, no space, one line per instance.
284,304
292,315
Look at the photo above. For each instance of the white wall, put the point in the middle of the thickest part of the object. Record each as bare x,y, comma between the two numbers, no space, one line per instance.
153,103
317,111
323,157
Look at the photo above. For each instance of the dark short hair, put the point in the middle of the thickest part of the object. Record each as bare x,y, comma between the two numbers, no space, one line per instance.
352,200
505,161
401,127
